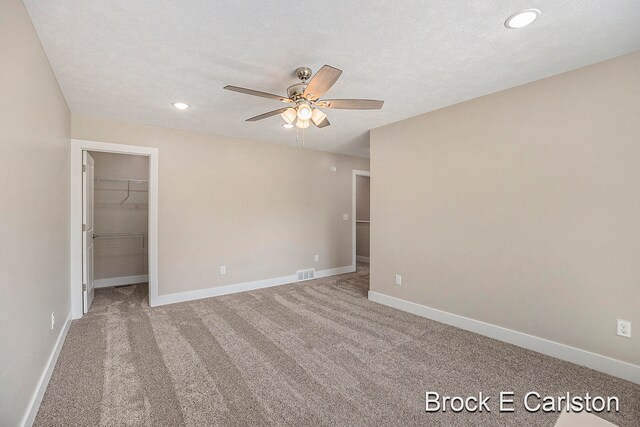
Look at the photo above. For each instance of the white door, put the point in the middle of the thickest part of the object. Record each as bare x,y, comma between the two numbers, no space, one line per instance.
87,230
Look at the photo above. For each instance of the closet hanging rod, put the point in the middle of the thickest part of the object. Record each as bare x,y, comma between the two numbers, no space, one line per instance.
112,235
121,180
120,190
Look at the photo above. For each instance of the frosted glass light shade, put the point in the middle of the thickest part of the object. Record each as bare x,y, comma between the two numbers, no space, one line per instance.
318,116
304,112
302,124
289,115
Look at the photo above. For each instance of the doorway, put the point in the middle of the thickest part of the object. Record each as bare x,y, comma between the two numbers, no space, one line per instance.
361,220
120,198
114,219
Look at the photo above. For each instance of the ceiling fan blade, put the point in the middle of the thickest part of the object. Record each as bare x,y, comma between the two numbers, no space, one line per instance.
322,82
257,93
323,124
351,104
269,114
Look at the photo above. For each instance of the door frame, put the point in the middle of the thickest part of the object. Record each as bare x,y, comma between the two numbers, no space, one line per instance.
75,233
356,173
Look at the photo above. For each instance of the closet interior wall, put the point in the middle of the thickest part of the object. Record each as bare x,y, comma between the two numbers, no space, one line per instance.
363,224
121,218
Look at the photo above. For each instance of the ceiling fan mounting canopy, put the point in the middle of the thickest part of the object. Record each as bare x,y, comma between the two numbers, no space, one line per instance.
306,97
303,73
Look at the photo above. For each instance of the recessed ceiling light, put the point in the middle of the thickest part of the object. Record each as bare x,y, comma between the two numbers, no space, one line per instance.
522,19
287,125
180,105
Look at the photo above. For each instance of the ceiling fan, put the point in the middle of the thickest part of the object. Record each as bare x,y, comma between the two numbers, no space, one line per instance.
304,99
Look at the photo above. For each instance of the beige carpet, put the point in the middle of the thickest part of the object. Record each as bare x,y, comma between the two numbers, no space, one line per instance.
315,353
581,419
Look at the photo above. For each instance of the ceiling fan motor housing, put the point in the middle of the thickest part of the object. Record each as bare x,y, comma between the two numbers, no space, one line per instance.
296,91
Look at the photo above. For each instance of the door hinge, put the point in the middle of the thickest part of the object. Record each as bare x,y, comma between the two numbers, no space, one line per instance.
84,227
84,168
84,287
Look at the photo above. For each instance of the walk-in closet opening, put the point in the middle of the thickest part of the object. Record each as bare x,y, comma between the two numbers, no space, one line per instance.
114,198
120,220
361,220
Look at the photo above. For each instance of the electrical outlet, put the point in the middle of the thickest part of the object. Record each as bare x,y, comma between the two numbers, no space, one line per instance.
398,280
624,328
345,217
53,319
223,269
317,258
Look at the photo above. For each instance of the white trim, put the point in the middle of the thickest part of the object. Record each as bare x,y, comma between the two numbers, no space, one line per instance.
77,146
245,286
362,258
334,271
617,368
119,281
38,394
356,173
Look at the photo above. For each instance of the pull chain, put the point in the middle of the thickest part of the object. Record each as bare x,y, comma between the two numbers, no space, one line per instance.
298,137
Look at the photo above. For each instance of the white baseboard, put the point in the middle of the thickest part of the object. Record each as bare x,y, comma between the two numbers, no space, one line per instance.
362,258
119,281
333,272
617,368
36,399
245,286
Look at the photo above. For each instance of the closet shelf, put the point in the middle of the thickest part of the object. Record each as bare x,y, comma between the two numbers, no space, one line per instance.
121,189
121,184
362,221
118,235
121,180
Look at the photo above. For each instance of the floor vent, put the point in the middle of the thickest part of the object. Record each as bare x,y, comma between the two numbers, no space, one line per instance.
306,274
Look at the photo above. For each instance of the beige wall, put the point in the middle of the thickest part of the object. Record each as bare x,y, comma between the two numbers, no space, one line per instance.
120,256
261,210
363,191
34,212
520,209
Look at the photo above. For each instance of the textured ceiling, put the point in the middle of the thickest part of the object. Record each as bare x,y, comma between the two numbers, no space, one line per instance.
129,60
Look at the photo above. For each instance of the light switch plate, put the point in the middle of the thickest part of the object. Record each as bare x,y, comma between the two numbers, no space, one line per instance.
345,217
223,269
398,280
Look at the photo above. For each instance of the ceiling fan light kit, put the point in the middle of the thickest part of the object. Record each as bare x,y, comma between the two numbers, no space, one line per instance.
304,111
318,117
289,115
305,95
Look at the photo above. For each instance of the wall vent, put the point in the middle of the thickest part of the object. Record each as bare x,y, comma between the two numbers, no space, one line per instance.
306,274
